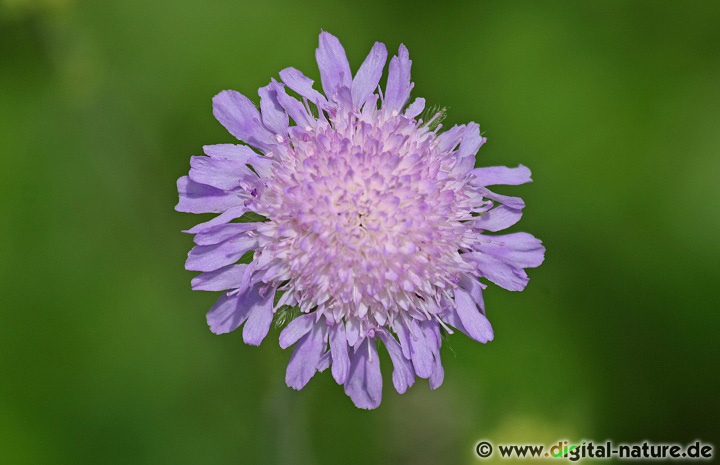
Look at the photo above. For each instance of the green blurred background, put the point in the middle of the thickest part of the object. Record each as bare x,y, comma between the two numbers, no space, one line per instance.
105,356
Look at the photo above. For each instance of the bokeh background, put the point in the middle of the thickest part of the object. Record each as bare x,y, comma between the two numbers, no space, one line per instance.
105,356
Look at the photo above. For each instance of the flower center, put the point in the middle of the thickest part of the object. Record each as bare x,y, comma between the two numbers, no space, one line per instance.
364,221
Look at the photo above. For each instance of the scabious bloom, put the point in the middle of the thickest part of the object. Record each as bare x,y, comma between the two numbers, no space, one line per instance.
370,223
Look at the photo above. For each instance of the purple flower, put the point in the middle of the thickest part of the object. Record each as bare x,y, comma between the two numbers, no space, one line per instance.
372,224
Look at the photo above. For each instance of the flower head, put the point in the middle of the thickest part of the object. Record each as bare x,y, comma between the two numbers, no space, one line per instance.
372,224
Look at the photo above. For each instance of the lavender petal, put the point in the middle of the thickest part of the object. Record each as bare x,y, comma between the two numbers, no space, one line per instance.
260,317
305,358
200,198
333,64
240,117
364,383
339,353
226,315
368,76
403,374
397,91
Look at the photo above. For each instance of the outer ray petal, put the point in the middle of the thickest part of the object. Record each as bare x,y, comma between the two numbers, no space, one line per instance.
497,219
368,76
397,91
415,108
493,175
258,323
333,64
364,384
228,215
403,373
294,109
273,116
339,352
305,358
223,232
240,117
303,85
212,257
229,277
226,315
242,154
201,198
474,323
296,329
222,174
